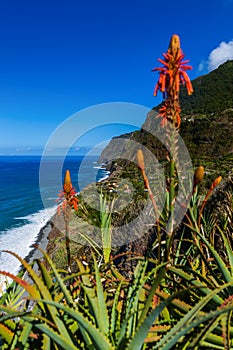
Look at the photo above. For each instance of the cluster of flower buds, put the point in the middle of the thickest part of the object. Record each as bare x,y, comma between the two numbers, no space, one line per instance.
68,195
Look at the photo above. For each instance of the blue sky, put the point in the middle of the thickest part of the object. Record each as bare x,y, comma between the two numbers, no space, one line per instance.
59,57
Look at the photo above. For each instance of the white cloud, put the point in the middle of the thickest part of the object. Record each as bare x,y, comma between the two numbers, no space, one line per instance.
201,66
220,55
23,149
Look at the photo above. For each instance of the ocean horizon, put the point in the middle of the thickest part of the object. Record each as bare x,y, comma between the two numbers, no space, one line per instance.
27,205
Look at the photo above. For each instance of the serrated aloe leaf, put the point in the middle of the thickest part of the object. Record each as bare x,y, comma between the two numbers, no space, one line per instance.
99,339
114,326
45,275
61,340
27,286
183,326
27,327
179,304
131,309
141,333
46,342
204,332
6,333
102,317
44,292
169,343
204,289
222,266
67,295
225,322
228,248
154,286
88,288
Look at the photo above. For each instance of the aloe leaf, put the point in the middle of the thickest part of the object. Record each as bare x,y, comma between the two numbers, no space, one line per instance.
222,266
45,275
102,317
58,338
177,303
169,343
46,342
44,292
87,339
213,339
228,248
6,333
88,289
105,224
24,334
27,286
214,276
13,296
183,326
210,346
67,295
204,332
225,322
114,314
137,341
29,269
189,278
134,294
154,286
131,309
98,338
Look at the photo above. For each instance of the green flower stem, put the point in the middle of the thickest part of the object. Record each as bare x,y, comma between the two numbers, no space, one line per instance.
172,185
67,232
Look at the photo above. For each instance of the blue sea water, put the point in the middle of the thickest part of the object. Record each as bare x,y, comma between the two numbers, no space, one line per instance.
23,211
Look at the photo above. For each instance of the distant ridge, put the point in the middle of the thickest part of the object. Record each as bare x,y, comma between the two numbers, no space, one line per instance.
213,92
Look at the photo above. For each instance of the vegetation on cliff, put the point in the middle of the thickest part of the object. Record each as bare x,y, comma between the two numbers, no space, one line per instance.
213,92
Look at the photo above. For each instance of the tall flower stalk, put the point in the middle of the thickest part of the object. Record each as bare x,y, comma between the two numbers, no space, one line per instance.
141,165
171,76
68,200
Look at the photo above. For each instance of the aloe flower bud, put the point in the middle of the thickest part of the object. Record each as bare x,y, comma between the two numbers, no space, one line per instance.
198,175
140,159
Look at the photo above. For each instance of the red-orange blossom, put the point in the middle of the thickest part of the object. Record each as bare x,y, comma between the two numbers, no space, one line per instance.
171,76
68,195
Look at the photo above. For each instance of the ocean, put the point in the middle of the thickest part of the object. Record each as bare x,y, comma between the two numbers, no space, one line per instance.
27,204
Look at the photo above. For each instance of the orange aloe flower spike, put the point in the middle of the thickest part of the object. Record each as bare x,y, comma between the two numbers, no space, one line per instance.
171,75
68,195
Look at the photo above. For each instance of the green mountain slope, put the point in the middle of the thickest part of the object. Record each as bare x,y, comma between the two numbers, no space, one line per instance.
206,127
213,93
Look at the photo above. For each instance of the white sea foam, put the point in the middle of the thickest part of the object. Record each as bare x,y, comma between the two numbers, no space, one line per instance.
20,239
104,177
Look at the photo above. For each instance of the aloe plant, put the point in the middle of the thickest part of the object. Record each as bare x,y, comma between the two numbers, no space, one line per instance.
105,227
91,309
203,312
